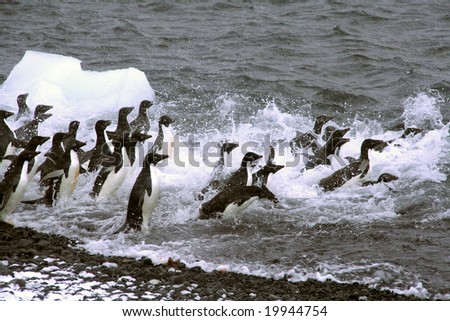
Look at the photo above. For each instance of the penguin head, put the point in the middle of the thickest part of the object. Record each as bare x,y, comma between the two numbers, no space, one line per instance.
139,137
250,158
40,112
265,193
75,145
101,125
320,121
145,104
374,144
59,137
38,140
228,147
166,120
329,130
125,111
386,177
27,155
339,133
153,158
411,131
22,100
5,114
73,126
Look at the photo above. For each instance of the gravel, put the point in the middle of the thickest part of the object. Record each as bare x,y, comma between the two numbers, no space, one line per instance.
38,266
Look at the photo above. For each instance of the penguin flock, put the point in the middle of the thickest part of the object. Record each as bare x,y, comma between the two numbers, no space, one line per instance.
115,156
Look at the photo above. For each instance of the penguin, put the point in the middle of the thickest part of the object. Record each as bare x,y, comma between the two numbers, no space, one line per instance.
164,142
123,128
71,133
383,178
130,147
6,134
355,170
142,123
30,128
116,168
217,175
24,110
70,164
243,176
32,145
63,177
52,155
97,155
144,195
229,202
303,140
262,177
15,182
321,155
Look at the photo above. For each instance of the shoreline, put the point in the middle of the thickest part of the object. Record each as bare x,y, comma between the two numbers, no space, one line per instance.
39,266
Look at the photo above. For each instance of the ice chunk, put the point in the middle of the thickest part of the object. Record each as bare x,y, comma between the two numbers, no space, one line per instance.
61,82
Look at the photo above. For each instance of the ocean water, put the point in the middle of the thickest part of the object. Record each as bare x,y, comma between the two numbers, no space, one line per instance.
255,72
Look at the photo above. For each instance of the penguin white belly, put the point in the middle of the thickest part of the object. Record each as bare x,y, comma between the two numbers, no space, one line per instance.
233,209
168,142
33,171
352,182
17,196
11,150
69,183
151,201
115,180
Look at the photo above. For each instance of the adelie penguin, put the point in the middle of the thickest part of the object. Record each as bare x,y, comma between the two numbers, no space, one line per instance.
356,170
262,177
24,110
31,145
15,182
321,155
123,127
142,123
6,134
63,177
383,178
164,142
244,175
71,133
303,140
144,195
52,155
117,166
30,129
229,202
97,155
217,175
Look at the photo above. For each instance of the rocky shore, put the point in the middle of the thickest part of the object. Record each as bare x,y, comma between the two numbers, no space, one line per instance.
38,266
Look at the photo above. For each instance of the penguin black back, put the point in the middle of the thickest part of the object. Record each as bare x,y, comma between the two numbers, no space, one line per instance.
6,134
359,167
236,197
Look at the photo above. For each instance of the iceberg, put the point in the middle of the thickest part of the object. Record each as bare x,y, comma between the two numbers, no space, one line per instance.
60,81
